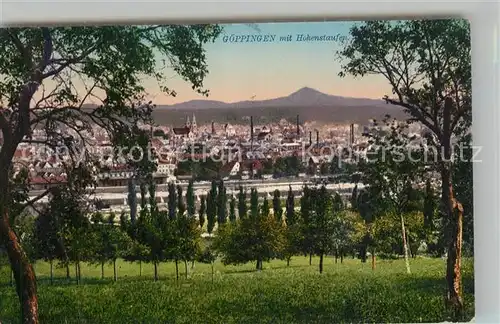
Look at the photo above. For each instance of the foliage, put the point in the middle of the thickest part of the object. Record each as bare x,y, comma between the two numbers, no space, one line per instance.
250,239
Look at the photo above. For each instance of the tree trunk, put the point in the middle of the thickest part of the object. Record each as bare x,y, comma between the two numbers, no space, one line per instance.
310,258
79,271
192,265
115,277
140,268
102,270
23,273
341,256
212,272
453,229
453,212
12,279
321,263
363,253
405,246
51,271
156,270
288,262
336,255
259,264
374,259
186,268
177,269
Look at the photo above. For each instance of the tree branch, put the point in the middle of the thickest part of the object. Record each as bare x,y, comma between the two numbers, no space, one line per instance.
36,199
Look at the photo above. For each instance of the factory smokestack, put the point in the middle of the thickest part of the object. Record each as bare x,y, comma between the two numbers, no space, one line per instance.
352,134
251,133
317,137
213,128
310,139
298,129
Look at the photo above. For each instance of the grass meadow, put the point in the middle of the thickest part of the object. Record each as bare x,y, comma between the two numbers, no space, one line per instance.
347,292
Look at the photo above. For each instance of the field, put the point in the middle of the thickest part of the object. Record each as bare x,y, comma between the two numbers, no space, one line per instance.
347,292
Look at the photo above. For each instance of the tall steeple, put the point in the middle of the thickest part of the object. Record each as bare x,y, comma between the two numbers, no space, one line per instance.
193,121
188,123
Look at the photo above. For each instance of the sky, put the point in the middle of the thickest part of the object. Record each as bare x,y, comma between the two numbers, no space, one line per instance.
241,70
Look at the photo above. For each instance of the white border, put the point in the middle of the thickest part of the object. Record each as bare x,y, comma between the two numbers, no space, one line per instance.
484,18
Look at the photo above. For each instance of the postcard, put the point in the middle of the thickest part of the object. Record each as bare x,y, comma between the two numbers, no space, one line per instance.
291,172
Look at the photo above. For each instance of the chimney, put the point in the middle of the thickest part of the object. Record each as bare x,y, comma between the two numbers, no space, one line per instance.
251,132
298,129
317,137
352,134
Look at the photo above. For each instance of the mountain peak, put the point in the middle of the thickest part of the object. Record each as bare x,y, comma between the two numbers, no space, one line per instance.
306,91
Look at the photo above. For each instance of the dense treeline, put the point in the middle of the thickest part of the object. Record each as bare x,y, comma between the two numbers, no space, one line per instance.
240,229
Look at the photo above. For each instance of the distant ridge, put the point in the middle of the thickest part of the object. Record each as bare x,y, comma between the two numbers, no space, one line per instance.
303,96
309,103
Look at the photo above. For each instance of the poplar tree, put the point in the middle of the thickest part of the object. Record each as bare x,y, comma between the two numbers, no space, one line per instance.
221,204
202,211
277,208
242,203
190,200
232,210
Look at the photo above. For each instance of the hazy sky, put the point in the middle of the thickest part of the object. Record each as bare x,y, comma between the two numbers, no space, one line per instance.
238,71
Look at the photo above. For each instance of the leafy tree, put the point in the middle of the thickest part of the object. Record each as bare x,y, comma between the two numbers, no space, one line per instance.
110,241
389,172
321,226
155,231
185,242
48,240
135,250
430,74
250,239
242,203
277,209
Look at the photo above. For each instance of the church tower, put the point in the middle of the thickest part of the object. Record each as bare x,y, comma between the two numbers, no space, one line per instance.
188,123
193,122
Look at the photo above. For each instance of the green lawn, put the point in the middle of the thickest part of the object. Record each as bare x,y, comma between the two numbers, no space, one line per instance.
348,292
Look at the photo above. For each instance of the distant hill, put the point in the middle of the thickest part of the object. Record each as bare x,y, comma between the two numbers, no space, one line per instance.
310,104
